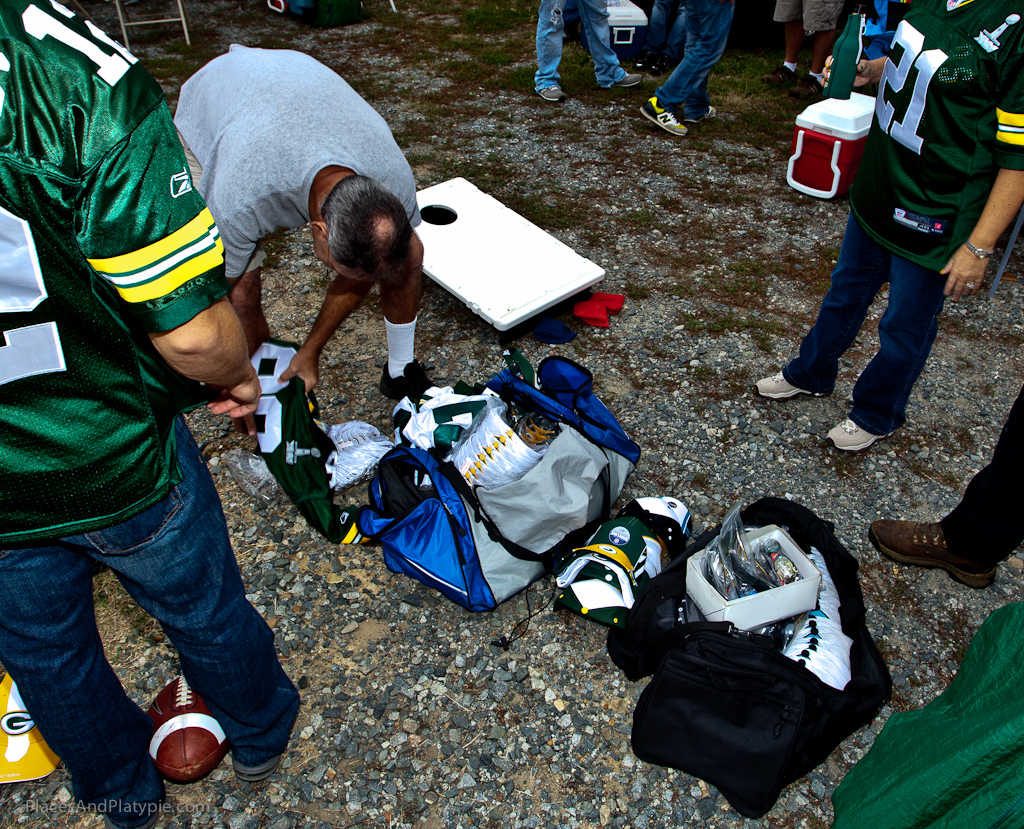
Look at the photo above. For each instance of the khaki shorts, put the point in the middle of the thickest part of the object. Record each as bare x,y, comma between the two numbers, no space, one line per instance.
817,15
195,169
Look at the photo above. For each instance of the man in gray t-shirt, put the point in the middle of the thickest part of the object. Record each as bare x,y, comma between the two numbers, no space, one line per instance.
280,140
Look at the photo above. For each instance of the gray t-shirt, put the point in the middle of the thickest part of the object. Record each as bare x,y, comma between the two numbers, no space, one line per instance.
262,123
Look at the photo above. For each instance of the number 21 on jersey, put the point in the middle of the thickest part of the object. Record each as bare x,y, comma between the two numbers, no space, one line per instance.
895,77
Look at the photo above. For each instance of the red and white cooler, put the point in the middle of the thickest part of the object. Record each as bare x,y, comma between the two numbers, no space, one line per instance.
828,142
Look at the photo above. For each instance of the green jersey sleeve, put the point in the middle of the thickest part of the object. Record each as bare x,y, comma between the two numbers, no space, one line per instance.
148,232
1009,146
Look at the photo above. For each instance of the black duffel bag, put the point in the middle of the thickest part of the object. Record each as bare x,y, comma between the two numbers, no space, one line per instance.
726,705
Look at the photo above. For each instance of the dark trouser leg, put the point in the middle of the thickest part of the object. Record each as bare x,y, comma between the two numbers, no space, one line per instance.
988,524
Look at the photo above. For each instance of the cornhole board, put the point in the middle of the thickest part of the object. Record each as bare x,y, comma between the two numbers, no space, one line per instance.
505,268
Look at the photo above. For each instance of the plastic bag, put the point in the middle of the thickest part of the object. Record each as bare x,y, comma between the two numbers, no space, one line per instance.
490,453
360,447
251,474
720,552
738,566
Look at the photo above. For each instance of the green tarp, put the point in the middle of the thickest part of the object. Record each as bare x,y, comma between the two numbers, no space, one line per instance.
957,763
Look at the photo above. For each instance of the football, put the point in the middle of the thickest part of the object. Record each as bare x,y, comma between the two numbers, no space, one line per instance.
187,741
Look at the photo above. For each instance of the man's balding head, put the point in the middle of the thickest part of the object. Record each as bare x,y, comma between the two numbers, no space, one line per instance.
368,230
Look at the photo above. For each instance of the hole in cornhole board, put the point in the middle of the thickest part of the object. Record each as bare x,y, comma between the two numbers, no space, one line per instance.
436,214
502,266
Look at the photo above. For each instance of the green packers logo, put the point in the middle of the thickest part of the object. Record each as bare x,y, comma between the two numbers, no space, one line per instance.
16,723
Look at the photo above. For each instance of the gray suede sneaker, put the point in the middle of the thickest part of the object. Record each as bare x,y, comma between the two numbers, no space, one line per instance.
552,93
631,79
711,113
778,387
849,437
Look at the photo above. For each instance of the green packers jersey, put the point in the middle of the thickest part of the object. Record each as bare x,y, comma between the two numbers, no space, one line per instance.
103,241
949,114
295,447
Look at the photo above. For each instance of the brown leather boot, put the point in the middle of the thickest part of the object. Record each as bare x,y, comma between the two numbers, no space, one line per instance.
909,542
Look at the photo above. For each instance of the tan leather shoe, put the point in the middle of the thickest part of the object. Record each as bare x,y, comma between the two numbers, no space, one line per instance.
909,542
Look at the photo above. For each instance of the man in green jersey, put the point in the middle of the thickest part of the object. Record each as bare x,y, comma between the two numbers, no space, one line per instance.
941,177
113,312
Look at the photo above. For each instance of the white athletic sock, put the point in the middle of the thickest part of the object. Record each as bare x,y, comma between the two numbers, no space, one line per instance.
401,346
790,66
818,77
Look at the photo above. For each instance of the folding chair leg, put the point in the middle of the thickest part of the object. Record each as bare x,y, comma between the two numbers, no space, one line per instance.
122,18
1006,256
184,22
124,29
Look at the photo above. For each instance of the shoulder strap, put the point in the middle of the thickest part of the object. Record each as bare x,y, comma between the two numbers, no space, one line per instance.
465,491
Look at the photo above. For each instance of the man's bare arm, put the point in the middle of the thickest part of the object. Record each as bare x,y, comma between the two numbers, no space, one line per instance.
211,348
343,297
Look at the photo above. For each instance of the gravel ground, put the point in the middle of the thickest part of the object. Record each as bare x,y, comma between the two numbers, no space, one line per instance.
411,717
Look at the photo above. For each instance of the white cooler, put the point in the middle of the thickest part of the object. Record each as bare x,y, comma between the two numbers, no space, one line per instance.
828,142
628,25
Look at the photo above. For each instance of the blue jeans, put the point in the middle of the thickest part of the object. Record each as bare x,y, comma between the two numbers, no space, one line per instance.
906,331
175,560
707,30
661,39
594,18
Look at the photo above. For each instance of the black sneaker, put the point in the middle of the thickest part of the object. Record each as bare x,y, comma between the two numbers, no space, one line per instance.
253,774
643,60
780,76
660,65
411,384
807,88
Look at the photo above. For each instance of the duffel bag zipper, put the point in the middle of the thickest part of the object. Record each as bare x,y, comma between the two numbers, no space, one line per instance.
806,682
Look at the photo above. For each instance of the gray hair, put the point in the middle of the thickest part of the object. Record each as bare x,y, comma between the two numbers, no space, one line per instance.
368,229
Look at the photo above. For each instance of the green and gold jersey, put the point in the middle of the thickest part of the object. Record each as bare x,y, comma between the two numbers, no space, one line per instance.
295,447
103,241
949,114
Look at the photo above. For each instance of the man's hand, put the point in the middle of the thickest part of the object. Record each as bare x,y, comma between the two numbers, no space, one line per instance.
306,365
239,402
211,348
869,71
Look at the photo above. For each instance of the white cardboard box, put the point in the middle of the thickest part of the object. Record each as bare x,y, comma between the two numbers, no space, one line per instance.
505,268
752,612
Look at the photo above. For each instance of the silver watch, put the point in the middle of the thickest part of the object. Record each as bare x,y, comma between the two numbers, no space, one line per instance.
980,253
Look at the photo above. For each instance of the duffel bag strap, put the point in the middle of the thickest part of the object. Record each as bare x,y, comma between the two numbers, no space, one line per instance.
469,498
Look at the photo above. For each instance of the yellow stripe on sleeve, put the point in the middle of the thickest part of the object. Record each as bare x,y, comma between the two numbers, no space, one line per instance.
1009,119
175,278
1011,127
1010,137
145,257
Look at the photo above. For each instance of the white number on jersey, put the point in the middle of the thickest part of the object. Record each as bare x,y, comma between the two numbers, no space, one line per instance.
895,76
33,349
